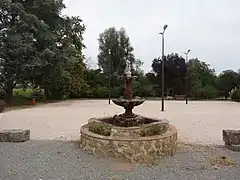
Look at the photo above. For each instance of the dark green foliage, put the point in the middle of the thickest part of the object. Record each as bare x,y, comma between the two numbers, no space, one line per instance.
174,73
29,94
114,49
235,94
226,81
18,29
202,80
117,43
207,92
40,47
100,128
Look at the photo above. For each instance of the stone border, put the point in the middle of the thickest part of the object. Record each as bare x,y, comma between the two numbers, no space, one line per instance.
233,147
231,139
142,149
15,135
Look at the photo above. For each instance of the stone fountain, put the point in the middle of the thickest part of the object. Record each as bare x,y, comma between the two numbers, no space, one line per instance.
129,136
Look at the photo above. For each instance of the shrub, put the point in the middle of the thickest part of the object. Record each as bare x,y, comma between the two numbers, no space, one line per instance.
29,93
235,94
101,92
153,130
208,92
23,92
144,91
117,92
100,128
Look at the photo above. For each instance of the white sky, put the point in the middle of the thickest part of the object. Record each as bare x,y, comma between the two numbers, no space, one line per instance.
210,28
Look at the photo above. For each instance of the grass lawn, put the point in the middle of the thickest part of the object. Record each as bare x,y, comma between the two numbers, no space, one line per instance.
22,98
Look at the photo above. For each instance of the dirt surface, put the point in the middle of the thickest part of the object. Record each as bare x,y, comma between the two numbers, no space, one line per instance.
198,122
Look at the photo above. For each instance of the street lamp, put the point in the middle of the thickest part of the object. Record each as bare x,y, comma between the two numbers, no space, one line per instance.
109,76
162,33
186,53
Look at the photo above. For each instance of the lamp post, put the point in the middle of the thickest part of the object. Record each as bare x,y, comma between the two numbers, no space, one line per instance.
109,76
162,33
186,53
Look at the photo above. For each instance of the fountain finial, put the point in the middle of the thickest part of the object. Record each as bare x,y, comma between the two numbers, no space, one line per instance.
128,72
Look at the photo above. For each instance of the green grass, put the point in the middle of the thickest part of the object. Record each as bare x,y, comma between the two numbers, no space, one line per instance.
22,99
24,92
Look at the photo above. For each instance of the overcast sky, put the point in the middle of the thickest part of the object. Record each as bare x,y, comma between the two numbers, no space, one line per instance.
210,28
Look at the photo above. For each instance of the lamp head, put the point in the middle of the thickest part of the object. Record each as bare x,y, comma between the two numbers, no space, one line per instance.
165,27
188,51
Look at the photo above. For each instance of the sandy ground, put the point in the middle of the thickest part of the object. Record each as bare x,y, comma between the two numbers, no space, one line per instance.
198,122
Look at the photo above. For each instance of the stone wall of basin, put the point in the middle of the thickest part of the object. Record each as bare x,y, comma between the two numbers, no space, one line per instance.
133,132
142,149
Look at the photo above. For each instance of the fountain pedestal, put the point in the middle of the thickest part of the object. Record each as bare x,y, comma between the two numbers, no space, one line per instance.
128,118
128,88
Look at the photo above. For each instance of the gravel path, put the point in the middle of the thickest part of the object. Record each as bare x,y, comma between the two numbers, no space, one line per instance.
63,160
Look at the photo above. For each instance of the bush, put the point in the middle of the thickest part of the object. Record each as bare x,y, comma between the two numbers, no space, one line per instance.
102,92
156,129
235,94
144,91
208,92
29,93
116,92
100,128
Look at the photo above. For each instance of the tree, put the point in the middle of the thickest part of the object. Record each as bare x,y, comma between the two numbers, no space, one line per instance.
151,78
60,47
235,94
39,45
17,48
72,80
174,72
117,43
238,81
68,50
226,81
202,79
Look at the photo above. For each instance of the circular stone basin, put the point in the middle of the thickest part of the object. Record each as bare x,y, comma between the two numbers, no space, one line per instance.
125,102
127,143
149,128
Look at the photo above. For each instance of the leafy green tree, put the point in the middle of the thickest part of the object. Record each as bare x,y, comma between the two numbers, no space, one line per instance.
72,80
67,52
38,45
174,72
60,48
208,92
226,81
18,53
235,94
201,80
96,81
115,46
